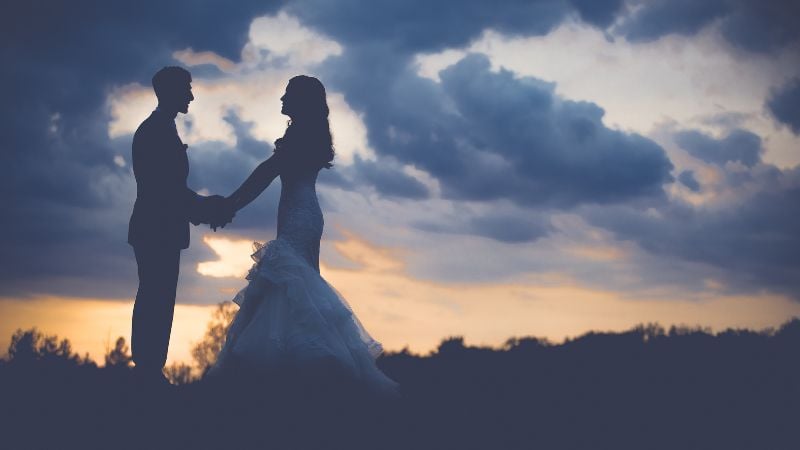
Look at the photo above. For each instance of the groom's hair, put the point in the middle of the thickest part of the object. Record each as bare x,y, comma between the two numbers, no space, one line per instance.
170,78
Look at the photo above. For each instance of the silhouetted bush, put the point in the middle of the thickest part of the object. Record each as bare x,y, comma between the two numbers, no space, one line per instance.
205,352
179,373
119,356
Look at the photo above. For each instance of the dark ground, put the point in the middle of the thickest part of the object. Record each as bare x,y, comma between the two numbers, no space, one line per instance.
642,389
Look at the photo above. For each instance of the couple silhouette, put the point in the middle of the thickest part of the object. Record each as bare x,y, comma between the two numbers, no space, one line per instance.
290,318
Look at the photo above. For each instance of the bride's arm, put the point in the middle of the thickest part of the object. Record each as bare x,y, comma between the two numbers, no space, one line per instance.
255,184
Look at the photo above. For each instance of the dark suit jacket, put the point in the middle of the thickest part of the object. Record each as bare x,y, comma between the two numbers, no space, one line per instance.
164,204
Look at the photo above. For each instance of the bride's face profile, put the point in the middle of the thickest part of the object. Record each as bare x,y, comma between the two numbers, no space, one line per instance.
289,102
304,101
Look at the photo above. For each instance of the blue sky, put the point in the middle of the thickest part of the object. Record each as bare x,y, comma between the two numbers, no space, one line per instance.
538,167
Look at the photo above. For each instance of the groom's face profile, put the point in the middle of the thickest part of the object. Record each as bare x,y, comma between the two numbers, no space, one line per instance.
179,97
185,97
173,87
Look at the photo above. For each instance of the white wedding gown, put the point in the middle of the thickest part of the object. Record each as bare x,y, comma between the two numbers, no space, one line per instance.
289,315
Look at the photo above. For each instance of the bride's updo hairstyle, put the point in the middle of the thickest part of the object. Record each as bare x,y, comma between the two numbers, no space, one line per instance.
307,142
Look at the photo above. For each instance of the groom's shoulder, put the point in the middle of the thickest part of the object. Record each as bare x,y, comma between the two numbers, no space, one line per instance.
151,127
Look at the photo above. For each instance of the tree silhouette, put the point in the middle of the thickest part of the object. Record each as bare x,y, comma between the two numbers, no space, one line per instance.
119,356
32,346
179,373
205,352
453,345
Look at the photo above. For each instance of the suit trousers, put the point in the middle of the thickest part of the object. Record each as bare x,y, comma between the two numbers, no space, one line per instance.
155,305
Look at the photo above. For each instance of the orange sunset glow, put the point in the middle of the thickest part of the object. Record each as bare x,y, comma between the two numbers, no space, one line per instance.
404,312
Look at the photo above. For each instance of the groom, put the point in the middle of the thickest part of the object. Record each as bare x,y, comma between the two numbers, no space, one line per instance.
159,225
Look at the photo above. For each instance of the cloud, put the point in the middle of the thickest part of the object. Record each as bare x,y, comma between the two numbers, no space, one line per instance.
784,104
191,58
760,26
389,181
284,39
233,257
507,225
488,135
739,145
505,151
752,243
687,179
600,13
661,17
509,229
245,142
419,26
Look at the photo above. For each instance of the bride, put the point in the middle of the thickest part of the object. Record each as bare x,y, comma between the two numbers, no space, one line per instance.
289,316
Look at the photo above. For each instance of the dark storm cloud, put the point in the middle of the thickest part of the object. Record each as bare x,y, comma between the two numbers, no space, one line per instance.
66,201
513,228
687,179
739,145
752,25
559,150
509,229
728,120
414,26
661,17
389,181
245,142
755,241
762,25
335,178
488,136
748,240
600,13
784,104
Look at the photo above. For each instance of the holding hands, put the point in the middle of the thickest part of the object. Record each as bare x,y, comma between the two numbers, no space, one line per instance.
217,211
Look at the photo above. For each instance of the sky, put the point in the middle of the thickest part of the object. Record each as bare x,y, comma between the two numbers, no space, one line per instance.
523,168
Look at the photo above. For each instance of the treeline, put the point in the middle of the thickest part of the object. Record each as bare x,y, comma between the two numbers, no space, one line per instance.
33,348
648,387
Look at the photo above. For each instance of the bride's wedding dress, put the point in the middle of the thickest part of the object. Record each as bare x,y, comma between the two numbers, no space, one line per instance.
289,315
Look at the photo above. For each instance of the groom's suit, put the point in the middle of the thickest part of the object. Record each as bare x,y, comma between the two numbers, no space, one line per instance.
158,231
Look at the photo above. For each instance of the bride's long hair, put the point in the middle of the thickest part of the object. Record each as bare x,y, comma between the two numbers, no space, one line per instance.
307,142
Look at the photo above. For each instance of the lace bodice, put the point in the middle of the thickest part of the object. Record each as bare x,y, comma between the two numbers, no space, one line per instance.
300,220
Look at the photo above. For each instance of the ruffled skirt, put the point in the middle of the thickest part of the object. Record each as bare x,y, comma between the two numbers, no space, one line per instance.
290,317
